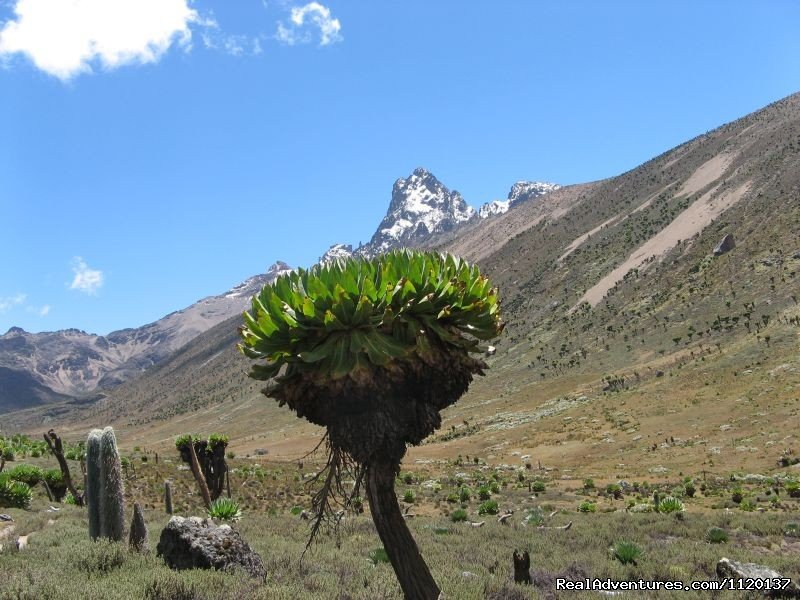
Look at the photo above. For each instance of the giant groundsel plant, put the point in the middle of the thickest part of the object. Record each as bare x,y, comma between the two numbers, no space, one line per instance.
372,350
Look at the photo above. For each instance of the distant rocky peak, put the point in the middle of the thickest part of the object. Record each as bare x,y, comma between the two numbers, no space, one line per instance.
421,206
495,207
278,268
13,331
528,190
336,252
522,191
253,284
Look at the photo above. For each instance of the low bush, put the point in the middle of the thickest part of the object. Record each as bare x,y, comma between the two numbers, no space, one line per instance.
626,552
716,535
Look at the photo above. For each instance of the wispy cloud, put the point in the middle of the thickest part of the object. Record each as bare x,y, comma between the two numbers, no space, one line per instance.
86,280
233,44
9,302
308,22
42,311
67,37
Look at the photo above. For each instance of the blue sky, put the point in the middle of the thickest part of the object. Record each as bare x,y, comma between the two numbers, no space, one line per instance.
154,152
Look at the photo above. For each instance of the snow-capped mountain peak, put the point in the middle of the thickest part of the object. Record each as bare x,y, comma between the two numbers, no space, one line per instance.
522,191
336,252
421,205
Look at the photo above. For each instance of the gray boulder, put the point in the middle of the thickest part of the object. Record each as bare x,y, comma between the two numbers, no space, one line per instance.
726,245
730,569
189,543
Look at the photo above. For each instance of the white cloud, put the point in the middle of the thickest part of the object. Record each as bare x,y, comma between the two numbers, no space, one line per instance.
299,29
42,311
232,44
86,280
9,302
68,37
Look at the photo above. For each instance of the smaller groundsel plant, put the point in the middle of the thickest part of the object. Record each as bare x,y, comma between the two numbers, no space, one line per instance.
670,504
14,494
488,508
716,535
627,553
225,509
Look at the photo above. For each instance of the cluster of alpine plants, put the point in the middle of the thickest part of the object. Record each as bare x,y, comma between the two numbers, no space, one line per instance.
337,319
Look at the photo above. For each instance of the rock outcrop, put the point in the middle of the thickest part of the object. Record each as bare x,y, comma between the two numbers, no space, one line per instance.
195,543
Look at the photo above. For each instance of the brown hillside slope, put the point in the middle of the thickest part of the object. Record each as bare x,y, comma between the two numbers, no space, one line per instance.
680,361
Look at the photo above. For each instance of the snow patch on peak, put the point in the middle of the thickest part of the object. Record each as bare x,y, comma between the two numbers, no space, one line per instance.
421,206
522,191
336,252
495,207
278,268
253,285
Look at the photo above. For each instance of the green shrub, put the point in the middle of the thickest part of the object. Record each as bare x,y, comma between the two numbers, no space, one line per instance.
689,490
8,454
55,481
737,495
464,494
747,505
14,494
70,499
458,516
225,509
538,486
488,508
626,552
408,478
671,504
102,556
171,587
378,555
296,510
494,487
587,507
28,474
588,483
484,493
217,439
615,490
409,497
793,488
792,529
716,535
453,498
535,516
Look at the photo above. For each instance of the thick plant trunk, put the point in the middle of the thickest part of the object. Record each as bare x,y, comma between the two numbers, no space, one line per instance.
413,574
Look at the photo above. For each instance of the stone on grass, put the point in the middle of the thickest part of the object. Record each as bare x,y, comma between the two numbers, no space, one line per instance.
189,543
730,569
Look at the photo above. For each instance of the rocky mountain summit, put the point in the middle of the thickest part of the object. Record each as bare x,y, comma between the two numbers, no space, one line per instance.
421,206
37,368
522,191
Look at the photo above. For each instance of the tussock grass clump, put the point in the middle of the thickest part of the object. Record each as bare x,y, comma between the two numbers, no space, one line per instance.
458,516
